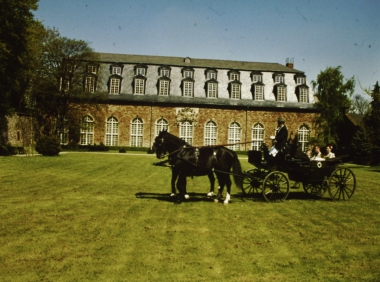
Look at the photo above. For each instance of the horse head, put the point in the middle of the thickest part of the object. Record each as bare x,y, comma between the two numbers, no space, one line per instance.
159,145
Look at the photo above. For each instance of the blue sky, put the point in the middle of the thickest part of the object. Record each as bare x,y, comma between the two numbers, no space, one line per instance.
316,34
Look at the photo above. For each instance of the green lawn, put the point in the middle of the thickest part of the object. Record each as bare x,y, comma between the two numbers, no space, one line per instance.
107,217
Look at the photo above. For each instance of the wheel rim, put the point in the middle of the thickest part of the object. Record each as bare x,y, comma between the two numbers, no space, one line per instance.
342,184
251,184
276,187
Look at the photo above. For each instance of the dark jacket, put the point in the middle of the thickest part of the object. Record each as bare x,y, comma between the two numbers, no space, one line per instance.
281,137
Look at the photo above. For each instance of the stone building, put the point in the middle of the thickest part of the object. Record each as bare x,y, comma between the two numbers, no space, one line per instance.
205,102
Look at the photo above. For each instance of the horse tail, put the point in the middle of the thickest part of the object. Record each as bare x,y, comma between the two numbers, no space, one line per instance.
237,171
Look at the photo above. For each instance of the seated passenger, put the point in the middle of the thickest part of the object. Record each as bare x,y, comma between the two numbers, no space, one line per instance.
329,154
316,154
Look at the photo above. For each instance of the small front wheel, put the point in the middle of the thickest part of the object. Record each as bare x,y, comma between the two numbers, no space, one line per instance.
276,187
342,184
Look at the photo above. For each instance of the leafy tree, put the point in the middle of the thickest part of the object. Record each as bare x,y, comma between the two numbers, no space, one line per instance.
58,88
361,147
332,92
15,21
359,104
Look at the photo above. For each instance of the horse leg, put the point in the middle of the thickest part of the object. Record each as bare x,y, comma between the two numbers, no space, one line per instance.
220,188
212,184
174,178
228,184
181,186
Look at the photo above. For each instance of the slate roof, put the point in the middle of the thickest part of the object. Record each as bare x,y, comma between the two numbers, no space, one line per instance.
356,119
201,63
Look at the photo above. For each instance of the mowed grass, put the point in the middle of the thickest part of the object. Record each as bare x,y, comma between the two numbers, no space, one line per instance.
107,217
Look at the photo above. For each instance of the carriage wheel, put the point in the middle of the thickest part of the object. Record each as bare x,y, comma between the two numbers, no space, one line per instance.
276,187
315,190
250,185
342,184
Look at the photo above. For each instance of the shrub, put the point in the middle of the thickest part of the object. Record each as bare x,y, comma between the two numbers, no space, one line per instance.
48,146
101,147
122,150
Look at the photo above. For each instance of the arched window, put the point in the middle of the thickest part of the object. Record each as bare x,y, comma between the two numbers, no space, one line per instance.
234,132
137,132
186,131
257,136
112,132
161,124
210,133
303,137
87,131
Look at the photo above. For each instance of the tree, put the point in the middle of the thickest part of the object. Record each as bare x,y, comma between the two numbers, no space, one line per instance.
16,18
332,93
359,104
58,87
361,147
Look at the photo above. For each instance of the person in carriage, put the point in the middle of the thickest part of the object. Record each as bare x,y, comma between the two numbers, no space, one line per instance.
279,141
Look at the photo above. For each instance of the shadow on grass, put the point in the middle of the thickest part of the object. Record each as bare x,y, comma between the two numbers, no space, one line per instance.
258,197
194,197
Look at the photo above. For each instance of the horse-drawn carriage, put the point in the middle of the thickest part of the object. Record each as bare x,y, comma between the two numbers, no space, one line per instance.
272,175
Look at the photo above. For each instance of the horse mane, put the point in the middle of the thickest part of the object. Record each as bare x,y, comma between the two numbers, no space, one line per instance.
174,139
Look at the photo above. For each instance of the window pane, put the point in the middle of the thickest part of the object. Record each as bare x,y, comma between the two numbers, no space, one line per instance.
303,95
257,136
112,132
164,88
259,92
211,90
161,125
137,133
114,86
235,91
87,131
188,89
139,86
90,84
186,132
303,138
280,93
210,133
234,136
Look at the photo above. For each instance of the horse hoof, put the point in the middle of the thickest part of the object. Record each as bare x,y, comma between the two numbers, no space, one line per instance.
226,203
216,201
187,197
210,194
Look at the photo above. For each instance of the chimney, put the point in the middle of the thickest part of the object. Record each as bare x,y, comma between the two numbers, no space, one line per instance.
290,62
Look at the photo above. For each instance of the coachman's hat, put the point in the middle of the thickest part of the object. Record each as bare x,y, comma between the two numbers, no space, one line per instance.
281,120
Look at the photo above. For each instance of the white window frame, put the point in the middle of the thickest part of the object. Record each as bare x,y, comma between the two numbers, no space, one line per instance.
212,90
234,76
234,136
116,70
257,136
210,133
301,80
235,91
92,69
281,93
186,132
259,92
87,131
188,88
303,136
137,127
164,87
139,86
256,78
211,75
114,85
161,124
188,73
303,95
90,84
279,79
64,135
112,132
165,72
140,71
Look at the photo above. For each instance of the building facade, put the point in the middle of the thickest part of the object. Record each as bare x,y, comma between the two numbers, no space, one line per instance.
205,102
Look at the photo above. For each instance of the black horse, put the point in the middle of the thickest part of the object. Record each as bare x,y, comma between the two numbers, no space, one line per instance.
196,161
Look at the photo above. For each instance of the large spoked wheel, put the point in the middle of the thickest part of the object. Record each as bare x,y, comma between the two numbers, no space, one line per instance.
251,184
315,189
276,187
342,184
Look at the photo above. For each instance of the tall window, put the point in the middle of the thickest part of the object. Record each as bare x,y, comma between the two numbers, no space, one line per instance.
89,84
139,86
186,132
212,89
188,88
112,131
303,94
87,131
257,136
234,131
164,87
161,124
137,133
281,93
114,85
235,91
259,92
210,133
303,137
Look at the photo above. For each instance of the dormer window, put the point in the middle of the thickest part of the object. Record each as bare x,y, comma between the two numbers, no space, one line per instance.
234,75
116,70
280,92
92,69
140,70
211,74
234,89
278,77
300,79
256,77
188,72
164,71
302,92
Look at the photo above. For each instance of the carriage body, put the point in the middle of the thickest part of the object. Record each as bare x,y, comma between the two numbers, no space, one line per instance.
272,175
